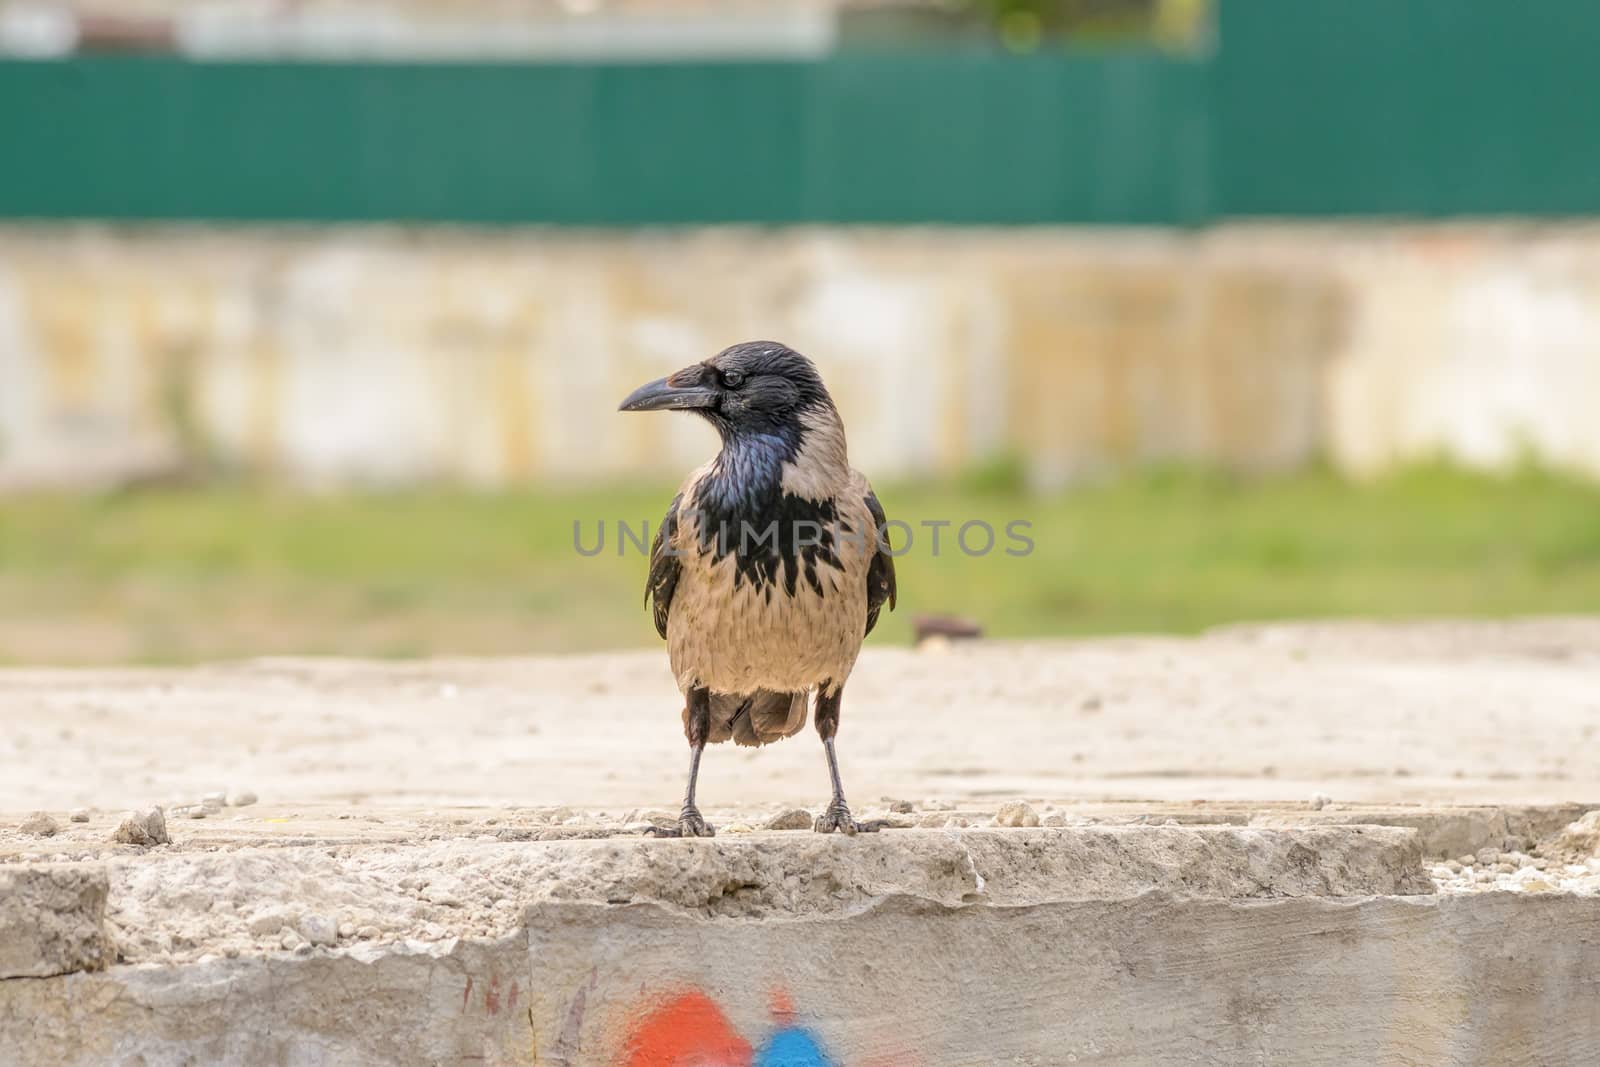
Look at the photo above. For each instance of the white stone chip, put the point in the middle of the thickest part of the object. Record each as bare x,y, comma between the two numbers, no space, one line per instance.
1017,813
40,824
319,929
143,828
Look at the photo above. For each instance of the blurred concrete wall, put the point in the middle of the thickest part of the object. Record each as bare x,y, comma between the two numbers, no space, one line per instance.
330,356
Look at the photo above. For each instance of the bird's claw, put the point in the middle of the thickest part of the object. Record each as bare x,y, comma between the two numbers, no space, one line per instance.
690,824
837,817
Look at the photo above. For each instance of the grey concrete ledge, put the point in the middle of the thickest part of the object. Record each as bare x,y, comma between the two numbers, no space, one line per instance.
176,905
1489,979
780,875
52,920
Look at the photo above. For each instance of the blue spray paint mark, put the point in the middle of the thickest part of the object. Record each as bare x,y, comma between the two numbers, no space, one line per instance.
792,1048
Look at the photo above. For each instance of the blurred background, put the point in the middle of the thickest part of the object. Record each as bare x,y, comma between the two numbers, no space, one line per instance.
314,314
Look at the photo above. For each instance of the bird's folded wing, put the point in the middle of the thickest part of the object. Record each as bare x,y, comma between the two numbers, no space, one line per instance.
880,572
665,566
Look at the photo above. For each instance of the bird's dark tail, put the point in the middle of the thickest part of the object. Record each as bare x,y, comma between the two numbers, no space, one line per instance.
758,718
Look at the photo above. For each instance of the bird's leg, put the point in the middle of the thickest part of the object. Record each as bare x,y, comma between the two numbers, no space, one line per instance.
690,822
837,816
696,726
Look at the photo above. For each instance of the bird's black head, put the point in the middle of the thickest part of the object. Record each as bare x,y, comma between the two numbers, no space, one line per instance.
758,387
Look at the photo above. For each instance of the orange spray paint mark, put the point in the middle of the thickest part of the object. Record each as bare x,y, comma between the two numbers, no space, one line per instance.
687,1031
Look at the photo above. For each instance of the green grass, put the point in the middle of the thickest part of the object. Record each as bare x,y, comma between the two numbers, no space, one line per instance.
177,575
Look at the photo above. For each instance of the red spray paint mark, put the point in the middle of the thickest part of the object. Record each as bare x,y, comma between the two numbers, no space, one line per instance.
687,1031
781,1006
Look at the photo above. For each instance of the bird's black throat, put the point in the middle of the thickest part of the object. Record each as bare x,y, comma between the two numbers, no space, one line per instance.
776,537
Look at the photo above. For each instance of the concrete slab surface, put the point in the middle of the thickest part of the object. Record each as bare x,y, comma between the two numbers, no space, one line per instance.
1463,713
1309,844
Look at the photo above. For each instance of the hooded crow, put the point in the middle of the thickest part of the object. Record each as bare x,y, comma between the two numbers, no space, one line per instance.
771,564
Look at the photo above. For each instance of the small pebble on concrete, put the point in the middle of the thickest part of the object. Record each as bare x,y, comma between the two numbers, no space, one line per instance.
143,828
792,819
1017,813
272,921
40,824
319,929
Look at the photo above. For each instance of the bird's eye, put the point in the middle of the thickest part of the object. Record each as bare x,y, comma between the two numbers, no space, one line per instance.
732,379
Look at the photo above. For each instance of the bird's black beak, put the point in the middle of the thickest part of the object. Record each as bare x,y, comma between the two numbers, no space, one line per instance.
680,391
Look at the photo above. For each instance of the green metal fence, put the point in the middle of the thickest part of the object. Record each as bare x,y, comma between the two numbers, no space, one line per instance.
904,138
1426,107
1407,107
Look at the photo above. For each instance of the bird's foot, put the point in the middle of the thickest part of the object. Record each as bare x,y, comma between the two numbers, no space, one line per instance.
690,824
837,817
